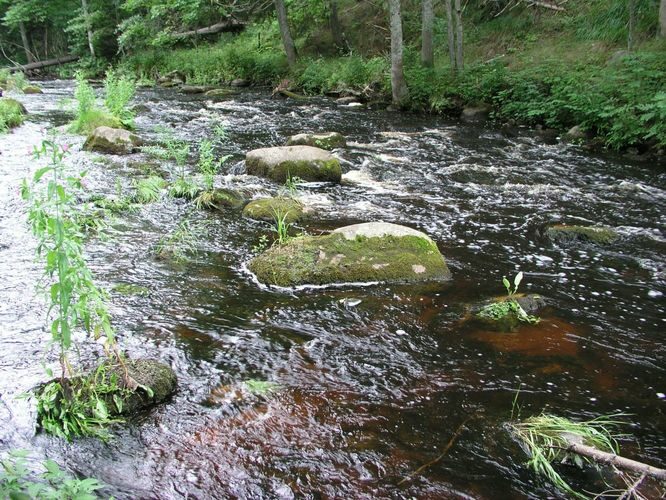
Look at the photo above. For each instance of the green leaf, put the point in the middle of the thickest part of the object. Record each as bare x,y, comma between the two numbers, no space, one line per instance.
507,285
517,280
40,173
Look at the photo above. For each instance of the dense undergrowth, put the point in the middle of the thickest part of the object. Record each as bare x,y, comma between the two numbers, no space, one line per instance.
557,70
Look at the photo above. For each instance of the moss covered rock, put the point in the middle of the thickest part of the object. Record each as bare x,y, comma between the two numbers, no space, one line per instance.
150,383
32,89
267,208
374,251
499,315
329,140
112,140
12,113
569,235
307,162
220,199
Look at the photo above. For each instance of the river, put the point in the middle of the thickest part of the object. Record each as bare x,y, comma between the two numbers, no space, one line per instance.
365,392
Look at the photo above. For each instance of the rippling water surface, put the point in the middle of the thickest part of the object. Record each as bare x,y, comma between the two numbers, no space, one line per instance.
367,393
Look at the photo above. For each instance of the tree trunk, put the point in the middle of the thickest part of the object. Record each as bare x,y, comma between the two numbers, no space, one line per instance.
662,18
43,64
288,42
459,37
46,41
26,43
427,20
230,25
86,17
450,29
398,85
336,27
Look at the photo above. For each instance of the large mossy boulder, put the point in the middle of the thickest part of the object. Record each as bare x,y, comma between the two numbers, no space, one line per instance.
328,140
374,251
571,235
221,199
12,112
267,209
112,140
32,89
307,162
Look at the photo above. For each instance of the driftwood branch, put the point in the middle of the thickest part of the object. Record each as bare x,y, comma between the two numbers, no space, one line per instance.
44,64
442,455
546,5
228,25
606,458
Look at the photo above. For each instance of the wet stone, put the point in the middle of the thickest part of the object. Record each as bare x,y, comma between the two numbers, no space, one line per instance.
112,140
267,209
307,162
572,235
360,253
328,140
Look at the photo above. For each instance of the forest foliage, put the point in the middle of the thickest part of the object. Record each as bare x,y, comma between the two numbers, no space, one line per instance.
597,64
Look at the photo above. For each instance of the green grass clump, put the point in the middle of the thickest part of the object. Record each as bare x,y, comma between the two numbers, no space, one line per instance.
182,243
11,114
149,190
547,437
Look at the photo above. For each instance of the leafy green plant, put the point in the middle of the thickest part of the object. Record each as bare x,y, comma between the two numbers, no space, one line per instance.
184,187
260,387
88,114
500,310
79,406
18,482
261,245
547,437
290,188
75,300
119,91
148,190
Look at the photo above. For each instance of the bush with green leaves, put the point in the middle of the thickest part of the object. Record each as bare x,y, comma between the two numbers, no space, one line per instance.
119,90
18,481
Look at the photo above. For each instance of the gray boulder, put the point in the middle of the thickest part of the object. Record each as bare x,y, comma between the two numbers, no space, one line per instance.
476,114
280,163
327,140
112,140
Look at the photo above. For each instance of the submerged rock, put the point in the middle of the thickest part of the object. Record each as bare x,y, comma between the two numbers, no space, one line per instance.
220,93
476,114
267,208
374,251
146,373
576,134
307,162
569,235
240,82
112,140
195,89
497,315
328,140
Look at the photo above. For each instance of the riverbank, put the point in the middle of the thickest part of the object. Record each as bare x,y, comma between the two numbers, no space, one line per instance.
592,89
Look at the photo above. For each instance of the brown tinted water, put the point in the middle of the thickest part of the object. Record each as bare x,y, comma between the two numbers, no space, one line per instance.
366,394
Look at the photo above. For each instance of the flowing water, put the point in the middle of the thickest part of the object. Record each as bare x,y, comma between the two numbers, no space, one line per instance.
373,381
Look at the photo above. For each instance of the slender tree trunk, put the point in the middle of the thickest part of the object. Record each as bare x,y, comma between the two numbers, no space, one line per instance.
288,42
26,43
662,18
46,41
459,37
450,29
398,84
86,17
427,21
336,27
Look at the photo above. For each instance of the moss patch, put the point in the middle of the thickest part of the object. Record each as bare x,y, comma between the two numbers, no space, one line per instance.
220,199
265,209
568,235
334,259
32,89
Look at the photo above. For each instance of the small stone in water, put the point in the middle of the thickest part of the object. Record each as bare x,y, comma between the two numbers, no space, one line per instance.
654,293
350,302
661,395
401,332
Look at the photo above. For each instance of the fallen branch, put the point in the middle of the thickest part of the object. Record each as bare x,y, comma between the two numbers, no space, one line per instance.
547,6
444,452
618,461
228,25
